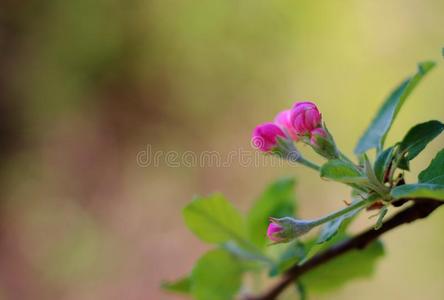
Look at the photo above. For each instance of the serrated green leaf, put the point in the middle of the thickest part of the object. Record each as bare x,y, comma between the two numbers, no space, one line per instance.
278,200
419,190
341,171
382,162
335,273
214,219
217,275
376,133
182,286
418,137
434,173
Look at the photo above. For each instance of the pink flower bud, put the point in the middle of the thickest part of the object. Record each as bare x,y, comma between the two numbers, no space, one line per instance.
273,229
264,136
317,133
305,117
283,121
283,230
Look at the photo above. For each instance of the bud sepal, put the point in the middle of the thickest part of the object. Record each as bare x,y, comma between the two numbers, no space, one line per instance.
323,143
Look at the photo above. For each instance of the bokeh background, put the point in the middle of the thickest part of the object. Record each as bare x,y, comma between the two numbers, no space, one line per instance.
86,85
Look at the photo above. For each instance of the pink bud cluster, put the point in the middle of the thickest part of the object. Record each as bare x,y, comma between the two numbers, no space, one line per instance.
303,120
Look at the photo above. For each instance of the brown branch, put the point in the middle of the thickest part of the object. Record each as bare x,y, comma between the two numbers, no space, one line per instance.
420,209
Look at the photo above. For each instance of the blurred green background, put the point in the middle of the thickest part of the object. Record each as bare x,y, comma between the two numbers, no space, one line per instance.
86,85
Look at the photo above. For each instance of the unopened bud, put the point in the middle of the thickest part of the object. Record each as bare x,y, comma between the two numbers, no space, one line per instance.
283,121
265,136
283,230
305,117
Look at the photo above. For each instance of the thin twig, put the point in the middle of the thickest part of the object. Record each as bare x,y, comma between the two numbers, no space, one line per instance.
420,209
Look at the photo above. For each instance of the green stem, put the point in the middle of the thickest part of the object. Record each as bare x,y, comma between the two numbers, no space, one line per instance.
379,148
293,154
308,163
345,158
341,212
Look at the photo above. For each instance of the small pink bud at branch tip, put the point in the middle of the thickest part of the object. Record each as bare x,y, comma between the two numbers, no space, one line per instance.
283,230
274,228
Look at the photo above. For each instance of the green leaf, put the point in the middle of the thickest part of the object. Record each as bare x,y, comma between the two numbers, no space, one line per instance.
431,182
404,164
419,190
370,173
418,137
434,173
214,220
382,162
245,254
331,228
277,201
341,171
302,291
376,133
312,247
294,253
182,286
217,275
337,272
